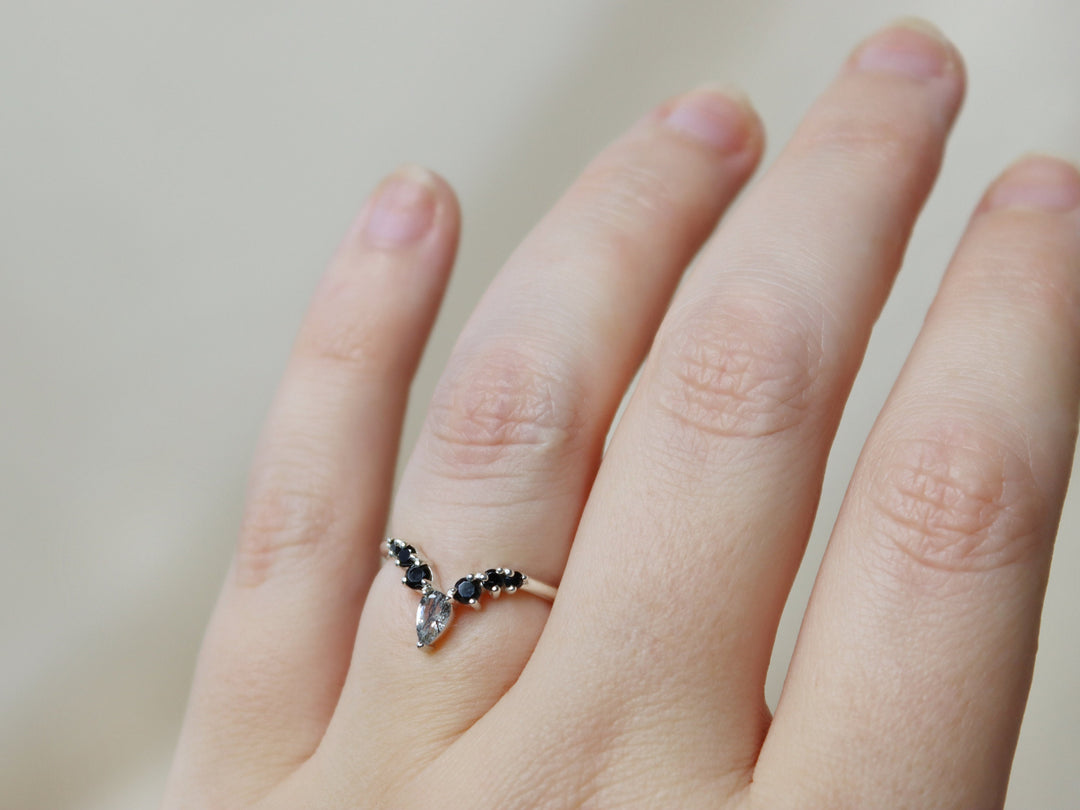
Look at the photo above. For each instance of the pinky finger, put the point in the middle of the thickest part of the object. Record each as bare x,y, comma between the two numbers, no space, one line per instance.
914,662
279,644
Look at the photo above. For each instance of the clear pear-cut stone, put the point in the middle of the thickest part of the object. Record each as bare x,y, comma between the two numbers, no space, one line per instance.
432,616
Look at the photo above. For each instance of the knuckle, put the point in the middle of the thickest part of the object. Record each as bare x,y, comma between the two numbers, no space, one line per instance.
347,327
500,410
284,521
624,192
746,371
619,197
356,344
350,346
1026,258
879,136
954,501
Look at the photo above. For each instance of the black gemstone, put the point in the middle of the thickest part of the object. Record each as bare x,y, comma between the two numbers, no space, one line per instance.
416,576
404,555
492,579
466,590
514,579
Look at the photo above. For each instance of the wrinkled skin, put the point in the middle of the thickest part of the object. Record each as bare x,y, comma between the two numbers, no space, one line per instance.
642,685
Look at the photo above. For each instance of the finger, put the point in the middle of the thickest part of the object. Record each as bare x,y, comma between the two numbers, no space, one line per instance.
278,647
516,427
915,658
708,491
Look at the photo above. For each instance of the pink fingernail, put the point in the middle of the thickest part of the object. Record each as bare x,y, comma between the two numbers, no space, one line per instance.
720,118
909,47
403,208
1040,182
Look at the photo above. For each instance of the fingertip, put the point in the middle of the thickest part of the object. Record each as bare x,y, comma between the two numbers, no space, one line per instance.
448,213
717,115
915,50
405,208
911,47
1036,181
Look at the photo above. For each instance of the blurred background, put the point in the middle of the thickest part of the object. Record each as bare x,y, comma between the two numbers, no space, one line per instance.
173,176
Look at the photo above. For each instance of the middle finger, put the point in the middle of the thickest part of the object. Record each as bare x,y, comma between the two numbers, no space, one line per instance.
700,512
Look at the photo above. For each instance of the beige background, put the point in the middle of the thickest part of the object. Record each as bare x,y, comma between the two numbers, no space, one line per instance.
172,178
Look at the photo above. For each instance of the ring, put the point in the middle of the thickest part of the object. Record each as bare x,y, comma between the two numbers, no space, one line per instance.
436,608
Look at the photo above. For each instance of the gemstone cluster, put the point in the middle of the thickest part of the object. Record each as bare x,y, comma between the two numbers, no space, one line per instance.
417,572
436,608
494,581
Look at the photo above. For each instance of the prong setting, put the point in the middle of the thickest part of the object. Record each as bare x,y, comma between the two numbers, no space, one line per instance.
436,608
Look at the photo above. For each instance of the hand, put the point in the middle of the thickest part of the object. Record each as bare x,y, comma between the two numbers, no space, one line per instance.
642,686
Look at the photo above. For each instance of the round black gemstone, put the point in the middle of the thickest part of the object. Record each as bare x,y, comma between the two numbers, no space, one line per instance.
466,590
404,555
514,579
492,579
417,575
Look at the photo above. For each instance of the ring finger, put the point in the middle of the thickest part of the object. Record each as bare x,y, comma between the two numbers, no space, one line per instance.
515,431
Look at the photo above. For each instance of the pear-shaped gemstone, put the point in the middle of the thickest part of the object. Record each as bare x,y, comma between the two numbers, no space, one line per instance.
432,617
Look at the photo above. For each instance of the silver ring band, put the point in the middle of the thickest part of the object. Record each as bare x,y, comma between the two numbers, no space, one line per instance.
436,608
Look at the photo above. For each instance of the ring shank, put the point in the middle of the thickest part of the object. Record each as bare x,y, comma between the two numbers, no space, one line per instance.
538,588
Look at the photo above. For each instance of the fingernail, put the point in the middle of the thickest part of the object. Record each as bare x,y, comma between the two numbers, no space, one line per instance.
909,47
719,116
403,208
1040,182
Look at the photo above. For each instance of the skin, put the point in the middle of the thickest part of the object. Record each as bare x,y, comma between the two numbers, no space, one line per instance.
914,661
